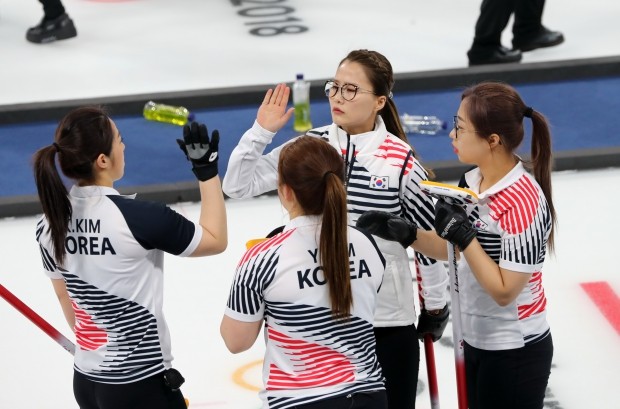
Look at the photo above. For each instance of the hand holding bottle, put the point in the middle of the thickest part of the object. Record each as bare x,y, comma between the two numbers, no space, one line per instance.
272,114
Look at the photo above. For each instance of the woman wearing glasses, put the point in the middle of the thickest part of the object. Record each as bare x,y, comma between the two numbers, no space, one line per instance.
381,173
503,240
314,286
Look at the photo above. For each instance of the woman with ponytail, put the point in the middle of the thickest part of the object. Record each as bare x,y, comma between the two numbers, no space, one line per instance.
104,251
382,173
314,285
503,240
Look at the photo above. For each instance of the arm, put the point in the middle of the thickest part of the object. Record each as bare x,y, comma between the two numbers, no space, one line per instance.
203,153
431,245
212,219
239,336
65,302
249,172
502,285
420,209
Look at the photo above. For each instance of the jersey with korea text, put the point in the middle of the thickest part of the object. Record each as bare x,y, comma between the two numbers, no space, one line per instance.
309,355
113,272
513,222
381,174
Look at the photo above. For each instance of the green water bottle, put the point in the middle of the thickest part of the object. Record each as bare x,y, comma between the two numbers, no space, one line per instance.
167,113
301,102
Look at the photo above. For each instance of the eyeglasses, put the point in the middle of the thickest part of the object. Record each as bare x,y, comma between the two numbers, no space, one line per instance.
348,91
455,120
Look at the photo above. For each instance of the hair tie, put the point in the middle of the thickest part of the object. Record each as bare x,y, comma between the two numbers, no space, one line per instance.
528,112
326,174
55,145
390,95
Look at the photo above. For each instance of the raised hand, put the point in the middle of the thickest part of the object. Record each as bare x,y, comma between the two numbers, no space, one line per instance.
272,114
202,152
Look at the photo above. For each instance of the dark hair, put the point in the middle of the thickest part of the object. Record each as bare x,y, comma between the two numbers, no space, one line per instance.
81,136
497,108
314,170
380,74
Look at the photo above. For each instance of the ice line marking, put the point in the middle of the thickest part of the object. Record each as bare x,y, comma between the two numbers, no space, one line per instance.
604,297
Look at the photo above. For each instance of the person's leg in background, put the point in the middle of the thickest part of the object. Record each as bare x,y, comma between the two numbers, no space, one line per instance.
528,31
55,25
398,352
487,46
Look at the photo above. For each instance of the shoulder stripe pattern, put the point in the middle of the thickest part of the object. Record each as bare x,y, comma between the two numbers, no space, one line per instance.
515,206
520,212
254,273
395,154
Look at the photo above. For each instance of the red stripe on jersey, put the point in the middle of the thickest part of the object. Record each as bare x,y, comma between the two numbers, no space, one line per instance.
343,152
538,294
315,365
514,208
265,245
395,154
88,336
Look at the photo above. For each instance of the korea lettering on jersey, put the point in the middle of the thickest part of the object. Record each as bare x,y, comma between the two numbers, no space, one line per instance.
381,174
513,222
113,272
309,355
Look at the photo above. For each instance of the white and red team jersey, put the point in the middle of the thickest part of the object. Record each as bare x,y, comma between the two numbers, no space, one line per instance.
113,272
513,222
381,173
309,355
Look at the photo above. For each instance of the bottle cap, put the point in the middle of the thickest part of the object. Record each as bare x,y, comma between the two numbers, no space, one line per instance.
444,125
300,76
191,117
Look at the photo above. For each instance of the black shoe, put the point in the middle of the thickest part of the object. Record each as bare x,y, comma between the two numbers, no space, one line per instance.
47,31
546,38
501,55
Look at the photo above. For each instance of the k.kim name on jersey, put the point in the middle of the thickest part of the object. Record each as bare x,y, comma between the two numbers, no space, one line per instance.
92,244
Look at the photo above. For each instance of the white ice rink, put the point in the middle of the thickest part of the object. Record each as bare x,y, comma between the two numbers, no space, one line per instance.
37,372
144,46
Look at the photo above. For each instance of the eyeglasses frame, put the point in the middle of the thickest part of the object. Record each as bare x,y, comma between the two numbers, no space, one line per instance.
330,94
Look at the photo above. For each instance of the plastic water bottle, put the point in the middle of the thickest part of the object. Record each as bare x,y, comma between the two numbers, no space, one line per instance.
301,102
422,124
167,113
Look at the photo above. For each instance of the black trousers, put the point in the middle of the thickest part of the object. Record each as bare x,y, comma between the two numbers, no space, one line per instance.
52,8
149,393
494,17
360,400
509,379
398,352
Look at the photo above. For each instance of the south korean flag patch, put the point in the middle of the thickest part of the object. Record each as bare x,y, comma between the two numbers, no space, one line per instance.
379,182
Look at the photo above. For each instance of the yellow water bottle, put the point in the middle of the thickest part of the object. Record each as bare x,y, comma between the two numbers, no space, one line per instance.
301,102
167,113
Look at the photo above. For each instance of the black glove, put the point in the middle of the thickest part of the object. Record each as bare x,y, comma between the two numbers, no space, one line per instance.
199,150
452,224
388,227
433,324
